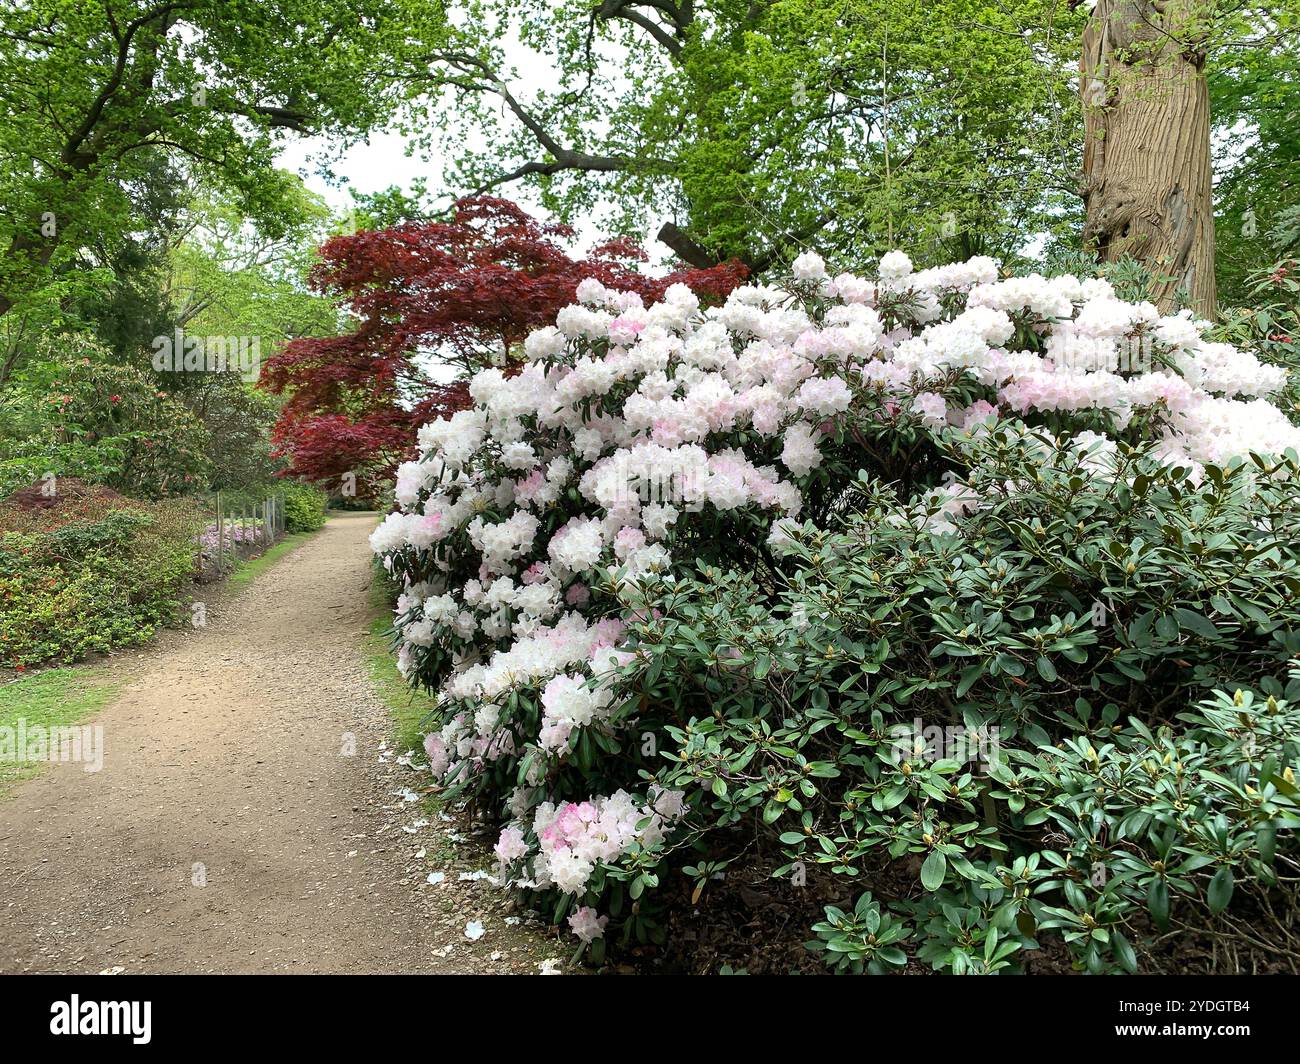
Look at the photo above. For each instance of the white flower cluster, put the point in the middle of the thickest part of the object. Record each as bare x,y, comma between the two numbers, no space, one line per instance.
626,421
573,838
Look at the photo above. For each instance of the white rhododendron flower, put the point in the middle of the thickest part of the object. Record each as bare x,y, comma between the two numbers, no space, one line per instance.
530,520
587,925
808,267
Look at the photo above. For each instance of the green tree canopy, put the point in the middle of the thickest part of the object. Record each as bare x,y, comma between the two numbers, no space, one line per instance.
1254,84
759,128
92,90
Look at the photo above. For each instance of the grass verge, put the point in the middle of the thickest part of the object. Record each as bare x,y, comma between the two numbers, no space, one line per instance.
407,708
48,699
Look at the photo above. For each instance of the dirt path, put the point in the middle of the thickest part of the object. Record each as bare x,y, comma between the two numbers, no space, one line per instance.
223,763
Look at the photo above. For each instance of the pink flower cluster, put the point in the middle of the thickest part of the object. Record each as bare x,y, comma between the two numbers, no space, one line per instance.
575,837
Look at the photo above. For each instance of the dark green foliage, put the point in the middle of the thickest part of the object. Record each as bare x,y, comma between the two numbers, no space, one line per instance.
1021,710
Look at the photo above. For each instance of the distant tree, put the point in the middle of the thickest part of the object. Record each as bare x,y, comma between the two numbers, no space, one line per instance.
462,291
91,92
1256,140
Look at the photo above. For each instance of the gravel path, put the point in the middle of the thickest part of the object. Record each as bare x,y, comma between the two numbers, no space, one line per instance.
227,832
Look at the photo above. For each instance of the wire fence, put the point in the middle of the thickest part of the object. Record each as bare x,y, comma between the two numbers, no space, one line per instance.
237,528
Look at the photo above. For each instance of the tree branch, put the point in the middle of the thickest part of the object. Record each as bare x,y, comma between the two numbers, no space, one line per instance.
72,148
622,9
686,249
481,78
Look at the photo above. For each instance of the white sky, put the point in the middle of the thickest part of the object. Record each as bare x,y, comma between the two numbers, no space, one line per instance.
369,167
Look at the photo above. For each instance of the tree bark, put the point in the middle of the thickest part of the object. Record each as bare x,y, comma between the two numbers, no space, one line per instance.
686,249
1146,160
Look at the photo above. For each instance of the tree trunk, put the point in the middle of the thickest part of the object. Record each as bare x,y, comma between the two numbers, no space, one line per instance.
1146,156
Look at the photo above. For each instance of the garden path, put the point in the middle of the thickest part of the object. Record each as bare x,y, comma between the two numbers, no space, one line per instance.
228,831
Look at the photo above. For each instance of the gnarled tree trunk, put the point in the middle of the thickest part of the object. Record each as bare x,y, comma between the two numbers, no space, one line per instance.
1146,160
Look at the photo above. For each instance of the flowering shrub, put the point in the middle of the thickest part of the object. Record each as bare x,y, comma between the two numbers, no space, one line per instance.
218,549
92,573
536,533
149,444
235,535
905,696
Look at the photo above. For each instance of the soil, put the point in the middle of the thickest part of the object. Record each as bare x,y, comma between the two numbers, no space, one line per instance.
252,814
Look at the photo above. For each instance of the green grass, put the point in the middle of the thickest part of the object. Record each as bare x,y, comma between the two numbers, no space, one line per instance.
248,571
51,698
406,707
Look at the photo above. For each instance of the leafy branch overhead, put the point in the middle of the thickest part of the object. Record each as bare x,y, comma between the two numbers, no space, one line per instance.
755,130
94,91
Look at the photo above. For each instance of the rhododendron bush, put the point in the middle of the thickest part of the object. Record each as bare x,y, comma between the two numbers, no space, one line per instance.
541,532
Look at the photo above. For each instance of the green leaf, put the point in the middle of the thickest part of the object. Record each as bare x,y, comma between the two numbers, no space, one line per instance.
933,870
968,678
1158,903
1220,892
1283,785
1191,621
1266,841
1124,953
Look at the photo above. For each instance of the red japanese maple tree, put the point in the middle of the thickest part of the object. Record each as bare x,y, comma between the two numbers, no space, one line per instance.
458,293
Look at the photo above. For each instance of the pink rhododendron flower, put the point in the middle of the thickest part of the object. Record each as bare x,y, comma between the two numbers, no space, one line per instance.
587,925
